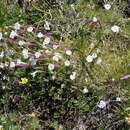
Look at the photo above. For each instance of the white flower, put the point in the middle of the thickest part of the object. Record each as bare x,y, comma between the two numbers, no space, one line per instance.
107,6
115,28
55,58
102,104
19,61
30,29
99,60
47,26
85,90
0,36
67,63
73,76
39,35
12,64
13,34
55,46
34,61
53,77
25,53
95,19
37,54
69,52
47,52
89,58
118,99
74,73
46,41
94,55
17,26
51,67
58,55
62,85
2,54
34,74
21,43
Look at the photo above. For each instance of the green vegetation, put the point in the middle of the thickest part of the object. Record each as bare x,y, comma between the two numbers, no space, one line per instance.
62,63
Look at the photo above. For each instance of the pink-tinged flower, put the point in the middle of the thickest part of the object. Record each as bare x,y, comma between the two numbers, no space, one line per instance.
103,104
95,19
25,53
17,26
0,36
47,25
23,65
30,29
69,52
39,35
51,67
125,77
46,41
21,43
107,6
13,34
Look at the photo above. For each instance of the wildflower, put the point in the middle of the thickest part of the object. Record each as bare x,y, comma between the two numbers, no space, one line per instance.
23,81
58,55
102,104
89,58
34,74
115,28
67,63
55,46
62,85
39,35
47,26
94,55
37,54
55,58
99,60
47,52
95,19
69,52
25,53
0,36
21,43
107,6
19,61
53,77
32,115
73,76
17,26
46,41
118,99
12,64
30,29
13,34
51,67
85,90
2,54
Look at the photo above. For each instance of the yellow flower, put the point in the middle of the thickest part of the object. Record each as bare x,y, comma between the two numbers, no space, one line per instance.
23,81
32,115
